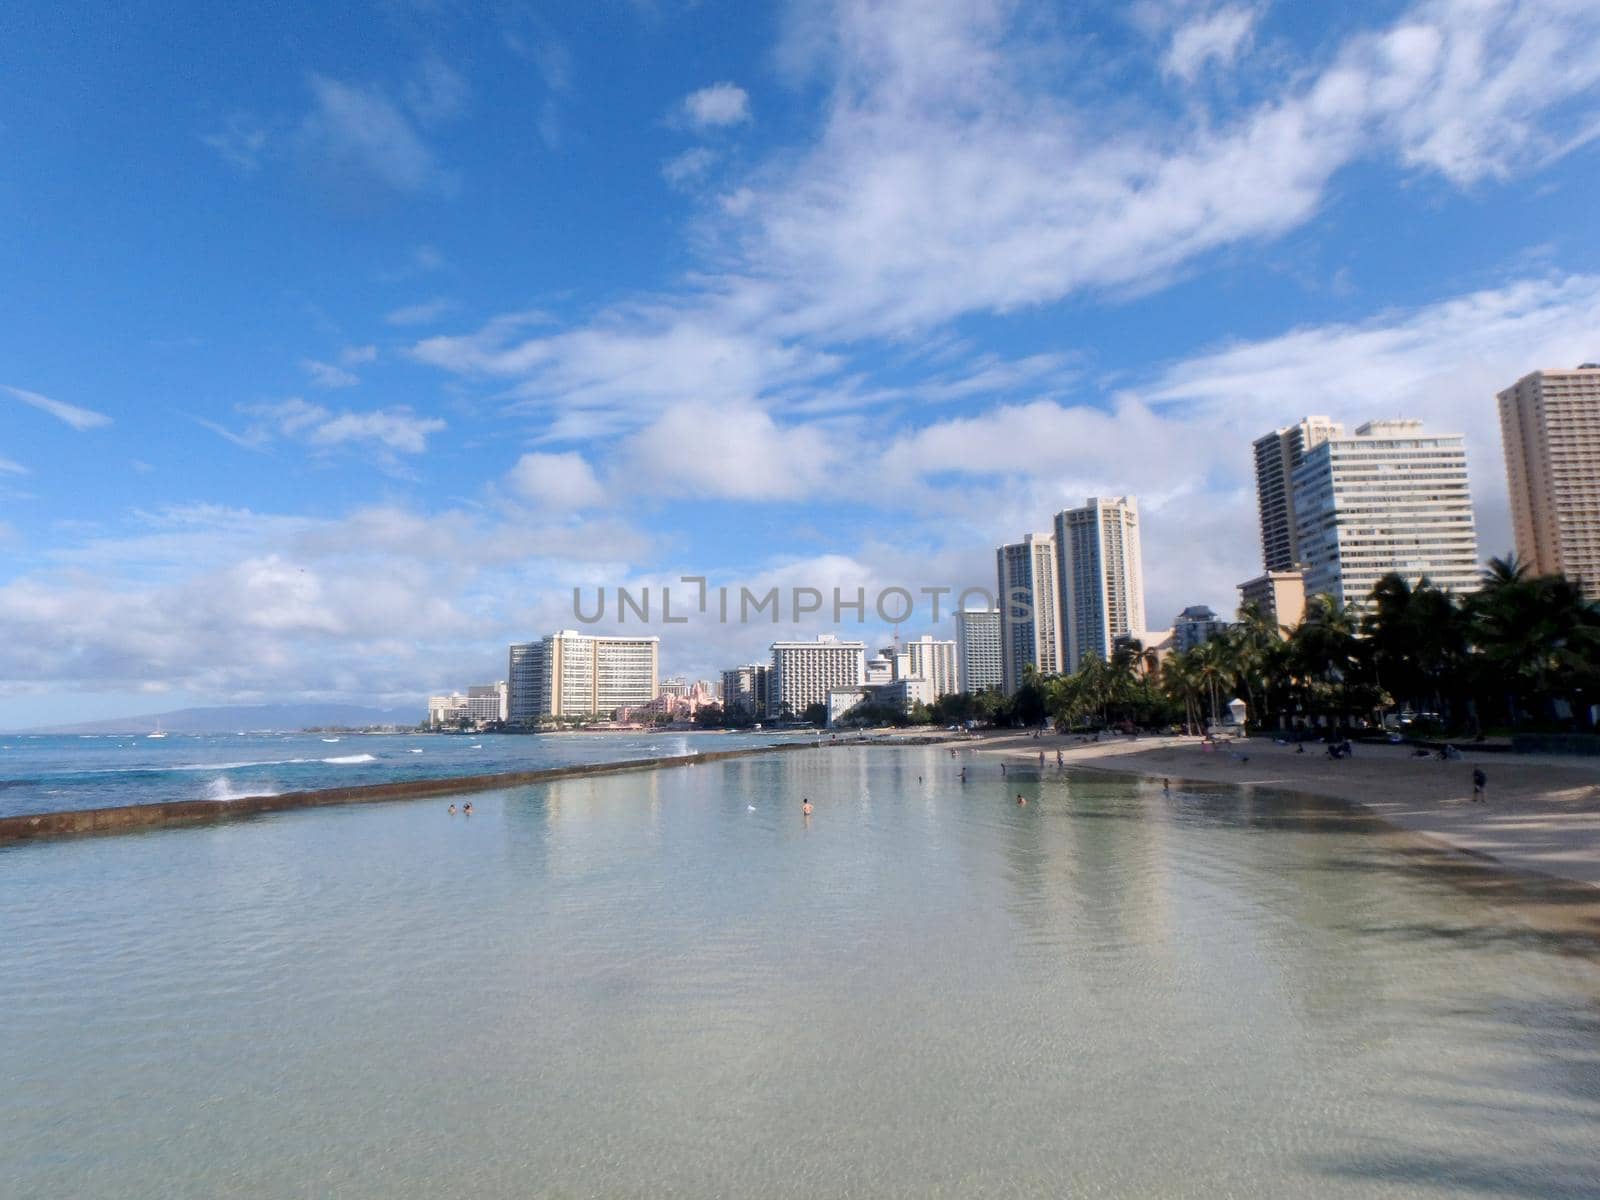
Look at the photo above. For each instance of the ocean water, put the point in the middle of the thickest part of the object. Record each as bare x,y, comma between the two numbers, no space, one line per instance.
673,984
41,773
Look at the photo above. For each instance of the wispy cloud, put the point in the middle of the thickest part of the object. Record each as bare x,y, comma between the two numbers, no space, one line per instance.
684,169
356,137
79,418
10,466
242,142
424,313
393,429
326,375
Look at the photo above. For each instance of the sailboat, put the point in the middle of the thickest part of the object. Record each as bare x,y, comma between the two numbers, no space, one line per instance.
159,733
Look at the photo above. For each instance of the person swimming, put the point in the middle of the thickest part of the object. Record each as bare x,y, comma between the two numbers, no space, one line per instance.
467,808
805,807
1021,799
452,810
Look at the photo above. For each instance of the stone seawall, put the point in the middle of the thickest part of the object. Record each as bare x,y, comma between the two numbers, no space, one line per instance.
135,817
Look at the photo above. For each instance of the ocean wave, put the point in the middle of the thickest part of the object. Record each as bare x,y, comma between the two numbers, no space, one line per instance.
353,758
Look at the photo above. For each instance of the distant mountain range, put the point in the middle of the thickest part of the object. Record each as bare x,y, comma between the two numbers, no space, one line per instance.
247,717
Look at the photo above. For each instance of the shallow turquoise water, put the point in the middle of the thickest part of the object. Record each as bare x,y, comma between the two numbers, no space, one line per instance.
671,984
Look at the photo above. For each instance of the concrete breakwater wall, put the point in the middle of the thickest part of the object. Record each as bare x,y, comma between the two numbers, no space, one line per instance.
135,817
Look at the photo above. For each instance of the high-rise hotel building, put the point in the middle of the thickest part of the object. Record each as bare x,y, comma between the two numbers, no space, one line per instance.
1390,498
1101,577
978,649
803,673
1277,455
1029,609
571,674
1550,425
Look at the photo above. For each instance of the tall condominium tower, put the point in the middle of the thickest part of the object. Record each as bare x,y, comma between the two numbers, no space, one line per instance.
1277,455
1390,498
571,674
978,650
1550,424
803,673
1029,608
1102,576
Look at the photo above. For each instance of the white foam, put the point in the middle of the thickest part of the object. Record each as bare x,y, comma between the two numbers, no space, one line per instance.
352,758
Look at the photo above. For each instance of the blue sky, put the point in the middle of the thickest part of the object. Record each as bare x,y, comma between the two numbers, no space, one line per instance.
337,348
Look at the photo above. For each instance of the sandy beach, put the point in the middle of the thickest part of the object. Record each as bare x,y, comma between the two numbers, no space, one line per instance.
1541,814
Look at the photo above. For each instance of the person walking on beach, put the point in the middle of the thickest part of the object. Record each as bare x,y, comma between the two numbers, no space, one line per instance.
1479,782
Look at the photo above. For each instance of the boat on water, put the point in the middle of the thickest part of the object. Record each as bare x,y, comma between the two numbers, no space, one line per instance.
158,732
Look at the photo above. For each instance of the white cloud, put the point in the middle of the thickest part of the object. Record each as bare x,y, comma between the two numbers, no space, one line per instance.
424,313
719,105
79,418
736,451
326,375
1216,37
355,356
629,365
9,466
557,481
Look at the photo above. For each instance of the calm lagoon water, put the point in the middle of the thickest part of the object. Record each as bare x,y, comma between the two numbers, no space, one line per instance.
671,984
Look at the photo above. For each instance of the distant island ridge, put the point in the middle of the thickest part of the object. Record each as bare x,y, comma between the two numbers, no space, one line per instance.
233,718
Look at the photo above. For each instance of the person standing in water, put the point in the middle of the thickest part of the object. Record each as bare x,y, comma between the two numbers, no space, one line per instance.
805,807
1002,769
1479,782
1021,799
452,810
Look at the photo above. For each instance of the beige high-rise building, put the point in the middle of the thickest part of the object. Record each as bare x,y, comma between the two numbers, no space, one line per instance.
1277,455
1550,424
1101,576
1029,609
1280,595
571,674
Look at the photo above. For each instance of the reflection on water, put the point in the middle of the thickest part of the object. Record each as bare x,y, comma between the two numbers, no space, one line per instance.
671,983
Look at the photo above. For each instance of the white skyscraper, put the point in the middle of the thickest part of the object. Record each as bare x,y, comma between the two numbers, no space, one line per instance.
978,650
1029,608
571,674
803,672
1388,498
1102,576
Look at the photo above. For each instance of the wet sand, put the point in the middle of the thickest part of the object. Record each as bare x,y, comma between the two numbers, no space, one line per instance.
1533,843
